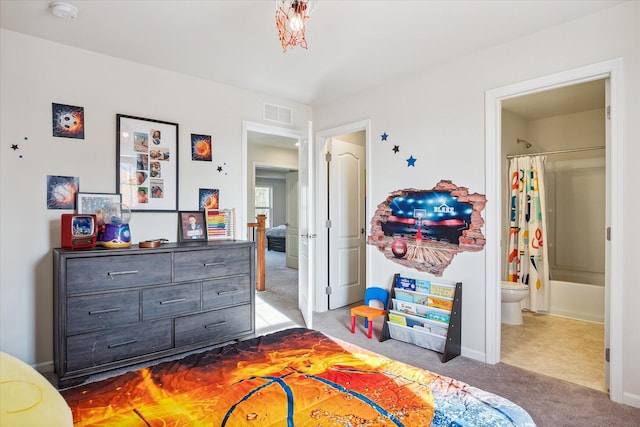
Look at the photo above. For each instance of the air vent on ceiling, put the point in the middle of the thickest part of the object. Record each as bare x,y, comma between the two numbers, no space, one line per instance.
276,113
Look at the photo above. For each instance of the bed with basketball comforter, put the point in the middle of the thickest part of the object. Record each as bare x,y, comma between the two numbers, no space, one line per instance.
296,377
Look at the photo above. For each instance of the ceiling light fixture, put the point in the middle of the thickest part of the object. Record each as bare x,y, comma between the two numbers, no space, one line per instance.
291,20
64,10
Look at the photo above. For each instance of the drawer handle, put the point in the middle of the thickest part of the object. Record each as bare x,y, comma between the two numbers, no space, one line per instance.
120,344
215,325
120,273
173,301
106,310
214,264
232,291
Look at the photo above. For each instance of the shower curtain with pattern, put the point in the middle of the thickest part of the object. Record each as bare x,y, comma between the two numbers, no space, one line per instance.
528,259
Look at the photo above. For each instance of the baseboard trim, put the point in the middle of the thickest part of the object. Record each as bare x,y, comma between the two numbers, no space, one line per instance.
44,367
473,354
631,399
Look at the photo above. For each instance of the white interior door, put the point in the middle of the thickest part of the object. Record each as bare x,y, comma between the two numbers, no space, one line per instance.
306,222
291,238
347,216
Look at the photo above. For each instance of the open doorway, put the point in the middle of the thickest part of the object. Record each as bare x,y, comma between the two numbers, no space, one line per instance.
271,165
610,70
567,127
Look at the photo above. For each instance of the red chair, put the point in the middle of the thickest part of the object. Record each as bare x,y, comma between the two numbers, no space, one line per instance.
368,312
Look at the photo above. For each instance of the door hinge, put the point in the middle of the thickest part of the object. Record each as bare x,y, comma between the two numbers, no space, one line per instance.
327,290
606,354
609,112
609,234
327,157
328,223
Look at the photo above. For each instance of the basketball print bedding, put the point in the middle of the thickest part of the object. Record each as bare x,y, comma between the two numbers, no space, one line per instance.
296,377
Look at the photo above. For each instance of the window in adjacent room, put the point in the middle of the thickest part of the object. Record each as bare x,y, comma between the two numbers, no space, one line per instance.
264,203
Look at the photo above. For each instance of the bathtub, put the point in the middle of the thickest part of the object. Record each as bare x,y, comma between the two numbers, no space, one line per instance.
577,301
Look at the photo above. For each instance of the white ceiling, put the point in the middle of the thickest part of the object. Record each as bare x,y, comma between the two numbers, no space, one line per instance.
353,45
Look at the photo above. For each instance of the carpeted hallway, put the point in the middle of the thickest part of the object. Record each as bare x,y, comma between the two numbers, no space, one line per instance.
277,305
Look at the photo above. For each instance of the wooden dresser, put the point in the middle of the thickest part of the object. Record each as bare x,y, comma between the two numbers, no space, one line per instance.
118,307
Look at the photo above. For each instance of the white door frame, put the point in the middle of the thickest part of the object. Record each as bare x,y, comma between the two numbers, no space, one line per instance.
262,128
493,162
322,260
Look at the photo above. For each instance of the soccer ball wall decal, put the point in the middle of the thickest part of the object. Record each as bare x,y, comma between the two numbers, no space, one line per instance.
68,121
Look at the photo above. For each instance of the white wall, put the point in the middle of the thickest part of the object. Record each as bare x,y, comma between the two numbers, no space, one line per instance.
438,117
264,155
33,74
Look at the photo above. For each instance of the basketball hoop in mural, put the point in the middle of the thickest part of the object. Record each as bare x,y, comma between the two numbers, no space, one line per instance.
291,20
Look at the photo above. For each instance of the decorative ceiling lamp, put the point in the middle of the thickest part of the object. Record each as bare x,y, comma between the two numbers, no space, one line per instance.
291,20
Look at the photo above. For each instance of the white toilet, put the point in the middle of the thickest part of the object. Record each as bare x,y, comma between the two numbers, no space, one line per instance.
510,295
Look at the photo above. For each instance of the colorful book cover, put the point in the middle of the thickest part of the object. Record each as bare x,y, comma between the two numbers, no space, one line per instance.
423,286
406,307
440,303
396,318
403,295
442,290
406,283
438,317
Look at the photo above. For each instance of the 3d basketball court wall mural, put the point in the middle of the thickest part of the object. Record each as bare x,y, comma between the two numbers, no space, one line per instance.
425,229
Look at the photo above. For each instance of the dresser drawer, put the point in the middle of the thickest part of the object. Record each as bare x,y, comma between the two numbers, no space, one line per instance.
170,300
93,349
87,313
213,326
229,291
116,272
211,263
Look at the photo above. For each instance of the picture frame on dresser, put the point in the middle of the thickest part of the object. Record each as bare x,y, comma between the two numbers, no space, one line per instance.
95,203
147,163
191,226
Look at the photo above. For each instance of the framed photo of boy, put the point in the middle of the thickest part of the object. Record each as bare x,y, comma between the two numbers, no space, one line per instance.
191,226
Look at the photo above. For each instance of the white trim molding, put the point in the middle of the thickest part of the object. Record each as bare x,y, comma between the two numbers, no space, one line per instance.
612,70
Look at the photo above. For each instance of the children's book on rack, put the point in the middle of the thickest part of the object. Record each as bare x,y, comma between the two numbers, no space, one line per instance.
221,224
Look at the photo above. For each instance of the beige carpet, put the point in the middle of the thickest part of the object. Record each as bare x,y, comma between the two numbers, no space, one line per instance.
567,349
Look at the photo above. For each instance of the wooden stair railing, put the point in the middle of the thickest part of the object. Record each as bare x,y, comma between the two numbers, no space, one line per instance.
261,244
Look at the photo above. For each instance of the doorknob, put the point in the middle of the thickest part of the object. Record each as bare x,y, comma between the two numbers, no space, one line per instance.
362,231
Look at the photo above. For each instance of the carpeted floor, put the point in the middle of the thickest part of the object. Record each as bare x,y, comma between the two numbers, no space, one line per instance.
550,401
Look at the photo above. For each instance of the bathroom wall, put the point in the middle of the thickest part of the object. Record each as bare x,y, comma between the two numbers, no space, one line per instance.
576,195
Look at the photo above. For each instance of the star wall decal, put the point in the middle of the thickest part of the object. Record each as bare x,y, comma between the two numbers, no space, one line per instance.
14,147
396,149
411,161
384,136
219,168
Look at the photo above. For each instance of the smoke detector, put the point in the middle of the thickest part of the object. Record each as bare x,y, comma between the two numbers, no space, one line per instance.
64,10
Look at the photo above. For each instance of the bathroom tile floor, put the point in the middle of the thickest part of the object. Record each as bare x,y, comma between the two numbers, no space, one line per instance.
567,349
